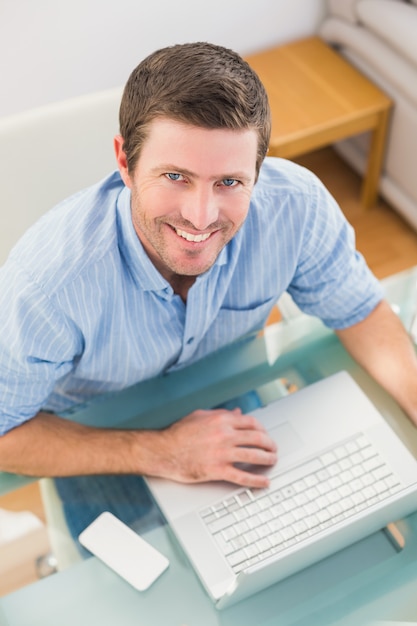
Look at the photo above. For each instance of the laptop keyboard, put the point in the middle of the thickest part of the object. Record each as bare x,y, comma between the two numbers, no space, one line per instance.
255,524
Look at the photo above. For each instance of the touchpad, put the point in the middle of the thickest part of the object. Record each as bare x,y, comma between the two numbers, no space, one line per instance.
286,438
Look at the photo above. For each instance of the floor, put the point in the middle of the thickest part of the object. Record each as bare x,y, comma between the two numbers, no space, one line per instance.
387,242
389,246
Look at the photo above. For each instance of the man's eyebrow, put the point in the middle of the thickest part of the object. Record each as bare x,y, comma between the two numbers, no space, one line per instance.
172,168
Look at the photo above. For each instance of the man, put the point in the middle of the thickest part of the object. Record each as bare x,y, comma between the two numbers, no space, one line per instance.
183,250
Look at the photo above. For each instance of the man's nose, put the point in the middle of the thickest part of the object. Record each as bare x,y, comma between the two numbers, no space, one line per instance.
201,208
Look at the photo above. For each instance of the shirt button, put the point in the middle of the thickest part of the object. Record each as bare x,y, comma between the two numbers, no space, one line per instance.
190,340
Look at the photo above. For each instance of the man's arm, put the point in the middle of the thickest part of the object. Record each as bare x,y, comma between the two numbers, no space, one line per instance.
203,446
381,345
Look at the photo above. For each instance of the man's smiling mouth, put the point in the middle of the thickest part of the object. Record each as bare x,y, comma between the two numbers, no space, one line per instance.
190,237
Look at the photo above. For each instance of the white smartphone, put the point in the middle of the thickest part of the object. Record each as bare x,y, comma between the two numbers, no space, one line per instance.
124,551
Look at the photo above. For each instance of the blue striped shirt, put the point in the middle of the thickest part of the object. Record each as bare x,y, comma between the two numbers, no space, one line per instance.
83,310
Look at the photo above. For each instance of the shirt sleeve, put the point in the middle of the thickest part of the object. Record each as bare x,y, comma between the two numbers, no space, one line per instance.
38,345
332,280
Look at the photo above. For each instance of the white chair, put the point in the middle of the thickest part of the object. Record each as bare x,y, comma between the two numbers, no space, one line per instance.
46,155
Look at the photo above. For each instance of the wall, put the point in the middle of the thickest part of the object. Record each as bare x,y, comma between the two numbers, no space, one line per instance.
51,49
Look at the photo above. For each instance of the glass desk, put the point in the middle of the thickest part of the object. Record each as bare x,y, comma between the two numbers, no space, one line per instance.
364,583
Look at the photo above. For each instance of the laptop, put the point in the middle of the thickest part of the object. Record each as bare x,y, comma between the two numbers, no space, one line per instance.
341,475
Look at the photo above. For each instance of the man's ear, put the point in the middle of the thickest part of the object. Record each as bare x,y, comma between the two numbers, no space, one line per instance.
122,160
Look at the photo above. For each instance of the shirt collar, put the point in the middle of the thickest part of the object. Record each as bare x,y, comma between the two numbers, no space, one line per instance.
140,266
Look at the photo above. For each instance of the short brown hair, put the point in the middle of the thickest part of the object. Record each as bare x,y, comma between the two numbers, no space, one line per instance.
197,83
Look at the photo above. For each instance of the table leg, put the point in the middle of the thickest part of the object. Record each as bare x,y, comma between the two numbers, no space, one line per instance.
375,158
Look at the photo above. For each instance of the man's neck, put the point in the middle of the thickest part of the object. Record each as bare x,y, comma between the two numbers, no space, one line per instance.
181,285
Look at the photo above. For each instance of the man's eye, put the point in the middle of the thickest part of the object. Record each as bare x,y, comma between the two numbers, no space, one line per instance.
173,176
229,182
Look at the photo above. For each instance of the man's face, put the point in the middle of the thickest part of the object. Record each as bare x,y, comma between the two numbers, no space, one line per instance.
191,189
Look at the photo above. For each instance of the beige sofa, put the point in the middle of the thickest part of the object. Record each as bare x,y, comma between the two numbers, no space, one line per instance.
380,38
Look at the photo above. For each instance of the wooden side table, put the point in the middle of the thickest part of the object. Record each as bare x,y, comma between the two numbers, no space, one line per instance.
318,98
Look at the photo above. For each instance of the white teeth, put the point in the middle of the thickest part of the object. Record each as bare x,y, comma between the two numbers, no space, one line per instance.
190,237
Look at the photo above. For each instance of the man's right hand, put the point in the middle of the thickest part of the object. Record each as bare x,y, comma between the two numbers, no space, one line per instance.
208,445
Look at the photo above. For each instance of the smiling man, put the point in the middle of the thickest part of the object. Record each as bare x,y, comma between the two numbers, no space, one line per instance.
186,248
188,201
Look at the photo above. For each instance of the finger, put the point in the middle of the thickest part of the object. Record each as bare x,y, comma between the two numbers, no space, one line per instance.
248,422
246,479
254,456
255,439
